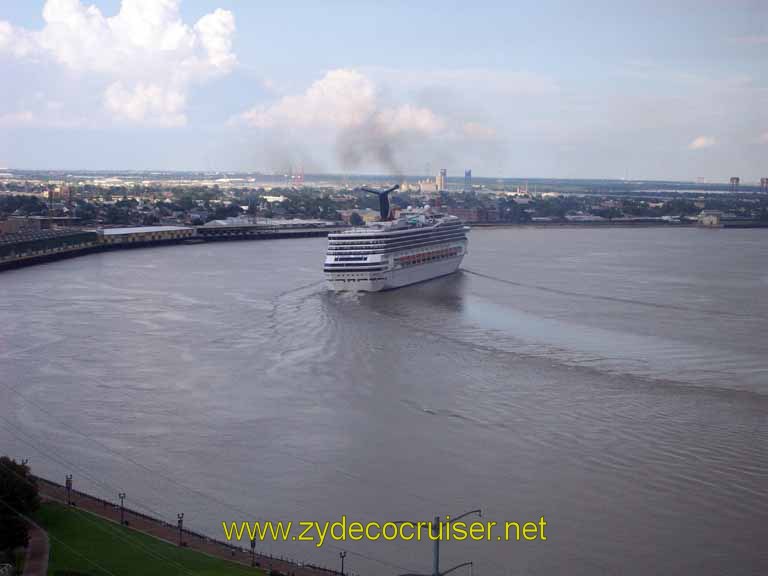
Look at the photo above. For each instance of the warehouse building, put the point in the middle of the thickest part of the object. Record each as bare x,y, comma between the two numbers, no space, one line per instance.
145,235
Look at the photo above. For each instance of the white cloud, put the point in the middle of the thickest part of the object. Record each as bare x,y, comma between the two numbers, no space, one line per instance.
763,138
18,43
342,98
215,31
143,101
12,119
47,115
408,118
479,131
346,99
147,54
702,142
6,36
508,83
370,130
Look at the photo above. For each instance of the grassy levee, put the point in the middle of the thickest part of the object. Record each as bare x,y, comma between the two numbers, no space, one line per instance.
87,545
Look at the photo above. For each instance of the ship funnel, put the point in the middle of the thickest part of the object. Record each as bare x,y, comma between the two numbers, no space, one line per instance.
383,195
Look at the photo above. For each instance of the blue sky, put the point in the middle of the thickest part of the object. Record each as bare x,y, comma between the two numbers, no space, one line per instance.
674,90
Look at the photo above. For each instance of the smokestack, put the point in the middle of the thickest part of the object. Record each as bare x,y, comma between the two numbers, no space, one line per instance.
384,210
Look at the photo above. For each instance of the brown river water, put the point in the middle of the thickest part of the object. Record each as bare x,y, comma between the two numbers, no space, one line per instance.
614,381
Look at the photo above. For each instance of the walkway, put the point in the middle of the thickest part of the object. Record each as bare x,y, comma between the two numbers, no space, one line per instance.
36,563
169,533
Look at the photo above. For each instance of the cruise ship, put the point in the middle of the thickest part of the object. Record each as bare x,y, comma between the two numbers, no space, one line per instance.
417,246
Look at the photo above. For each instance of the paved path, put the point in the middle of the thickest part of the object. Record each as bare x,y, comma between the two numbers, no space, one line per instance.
36,563
164,531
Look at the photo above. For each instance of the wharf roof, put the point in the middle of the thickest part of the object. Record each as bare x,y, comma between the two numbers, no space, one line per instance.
142,230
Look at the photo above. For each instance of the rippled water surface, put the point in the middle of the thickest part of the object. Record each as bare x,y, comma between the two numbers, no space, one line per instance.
614,381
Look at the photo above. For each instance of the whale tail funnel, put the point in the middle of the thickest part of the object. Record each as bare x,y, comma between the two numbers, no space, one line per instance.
384,210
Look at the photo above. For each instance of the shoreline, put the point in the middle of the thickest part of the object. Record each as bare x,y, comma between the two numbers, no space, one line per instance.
242,233
168,532
201,235
622,224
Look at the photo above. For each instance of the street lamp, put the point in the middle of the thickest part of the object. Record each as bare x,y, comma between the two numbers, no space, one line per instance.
181,525
69,489
435,530
470,564
122,507
342,555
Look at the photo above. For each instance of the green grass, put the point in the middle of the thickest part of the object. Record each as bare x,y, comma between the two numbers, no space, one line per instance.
20,557
83,544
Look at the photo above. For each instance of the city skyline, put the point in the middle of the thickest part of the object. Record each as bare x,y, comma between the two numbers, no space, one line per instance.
533,90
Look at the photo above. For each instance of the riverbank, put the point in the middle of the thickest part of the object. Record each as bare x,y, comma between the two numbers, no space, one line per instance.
637,223
72,244
83,543
22,250
90,520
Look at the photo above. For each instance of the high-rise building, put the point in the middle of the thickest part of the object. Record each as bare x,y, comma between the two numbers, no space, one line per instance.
467,180
735,183
442,179
764,185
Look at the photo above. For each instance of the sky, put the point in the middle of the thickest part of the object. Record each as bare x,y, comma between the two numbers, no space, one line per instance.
673,90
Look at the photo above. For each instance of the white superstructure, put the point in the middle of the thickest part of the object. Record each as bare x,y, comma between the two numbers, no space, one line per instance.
383,255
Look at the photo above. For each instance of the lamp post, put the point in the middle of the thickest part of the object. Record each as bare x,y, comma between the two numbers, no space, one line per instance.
181,525
122,507
436,533
69,489
470,564
342,555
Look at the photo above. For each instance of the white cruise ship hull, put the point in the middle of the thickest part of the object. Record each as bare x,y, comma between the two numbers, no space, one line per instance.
394,254
395,278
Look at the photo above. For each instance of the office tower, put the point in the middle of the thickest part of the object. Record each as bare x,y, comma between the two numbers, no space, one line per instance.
442,179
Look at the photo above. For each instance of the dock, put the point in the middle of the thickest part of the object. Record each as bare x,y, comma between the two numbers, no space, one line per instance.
28,248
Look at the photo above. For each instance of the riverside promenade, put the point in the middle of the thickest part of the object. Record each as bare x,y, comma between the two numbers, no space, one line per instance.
170,533
36,562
